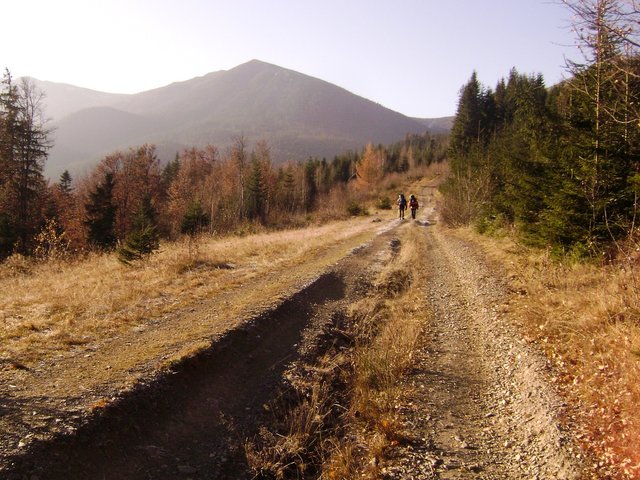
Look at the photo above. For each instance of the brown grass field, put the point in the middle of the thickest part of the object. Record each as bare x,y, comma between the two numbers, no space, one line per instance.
48,307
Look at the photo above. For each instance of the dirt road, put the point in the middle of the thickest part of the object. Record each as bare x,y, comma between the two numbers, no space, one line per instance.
477,405
481,405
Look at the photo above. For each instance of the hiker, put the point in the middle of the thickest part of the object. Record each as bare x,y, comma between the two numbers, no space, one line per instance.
413,205
402,205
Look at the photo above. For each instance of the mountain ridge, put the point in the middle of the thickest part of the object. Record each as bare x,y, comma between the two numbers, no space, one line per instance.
298,115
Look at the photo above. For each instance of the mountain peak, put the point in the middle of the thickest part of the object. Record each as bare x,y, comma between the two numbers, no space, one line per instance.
298,115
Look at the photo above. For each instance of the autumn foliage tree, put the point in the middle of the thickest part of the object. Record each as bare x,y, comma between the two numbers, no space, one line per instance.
194,184
370,169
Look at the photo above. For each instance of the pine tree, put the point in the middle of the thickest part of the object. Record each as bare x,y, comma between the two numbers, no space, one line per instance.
468,189
23,150
194,220
601,154
101,214
143,239
256,192
468,126
310,190
64,184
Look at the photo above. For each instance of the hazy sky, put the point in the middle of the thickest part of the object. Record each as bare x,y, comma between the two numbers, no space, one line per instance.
409,55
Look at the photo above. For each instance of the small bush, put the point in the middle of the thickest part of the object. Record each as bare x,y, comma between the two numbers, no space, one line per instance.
384,203
356,210
138,245
51,242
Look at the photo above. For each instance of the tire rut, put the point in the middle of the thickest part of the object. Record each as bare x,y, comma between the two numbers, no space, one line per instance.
192,421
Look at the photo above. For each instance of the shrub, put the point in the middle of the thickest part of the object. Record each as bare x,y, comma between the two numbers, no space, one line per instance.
356,210
139,244
384,203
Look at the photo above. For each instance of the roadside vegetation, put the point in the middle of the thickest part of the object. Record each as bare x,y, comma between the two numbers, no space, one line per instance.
586,318
550,175
340,419
50,307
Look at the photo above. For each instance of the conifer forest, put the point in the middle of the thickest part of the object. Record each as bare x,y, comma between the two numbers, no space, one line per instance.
559,164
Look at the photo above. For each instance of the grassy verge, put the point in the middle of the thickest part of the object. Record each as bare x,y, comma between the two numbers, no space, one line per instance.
338,419
50,307
586,318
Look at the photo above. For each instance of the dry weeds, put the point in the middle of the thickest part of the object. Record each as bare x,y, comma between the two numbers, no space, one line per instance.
50,307
342,419
586,318
390,322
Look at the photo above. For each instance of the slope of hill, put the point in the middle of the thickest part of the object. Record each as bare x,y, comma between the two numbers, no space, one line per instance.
298,115
437,125
63,99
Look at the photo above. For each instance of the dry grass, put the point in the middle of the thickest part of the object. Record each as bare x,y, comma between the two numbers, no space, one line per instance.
305,425
387,325
50,307
587,319
342,418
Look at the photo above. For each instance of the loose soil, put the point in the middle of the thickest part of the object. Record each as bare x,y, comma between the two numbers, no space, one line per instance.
477,405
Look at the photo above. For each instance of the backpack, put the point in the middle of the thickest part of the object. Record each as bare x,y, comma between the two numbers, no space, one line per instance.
402,202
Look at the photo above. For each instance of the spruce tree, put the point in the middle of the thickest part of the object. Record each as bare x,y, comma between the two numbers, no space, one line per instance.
23,150
310,189
467,128
143,239
194,220
101,214
64,184
256,192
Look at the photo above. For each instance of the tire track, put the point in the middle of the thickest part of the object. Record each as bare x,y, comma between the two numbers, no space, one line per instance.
192,422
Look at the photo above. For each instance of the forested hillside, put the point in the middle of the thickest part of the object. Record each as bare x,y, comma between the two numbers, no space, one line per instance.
299,115
130,198
560,164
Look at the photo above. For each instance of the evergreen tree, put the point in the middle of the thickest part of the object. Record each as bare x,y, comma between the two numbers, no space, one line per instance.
519,151
256,192
23,150
143,239
287,188
7,235
101,214
310,190
170,172
468,128
64,184
601,154
194,220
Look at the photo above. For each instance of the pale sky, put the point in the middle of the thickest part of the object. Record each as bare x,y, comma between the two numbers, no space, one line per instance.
409,55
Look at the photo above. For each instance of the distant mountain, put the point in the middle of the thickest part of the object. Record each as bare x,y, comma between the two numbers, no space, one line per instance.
62,99
437,125
298,115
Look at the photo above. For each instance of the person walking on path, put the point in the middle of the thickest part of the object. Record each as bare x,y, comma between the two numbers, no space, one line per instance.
402,205
413,205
